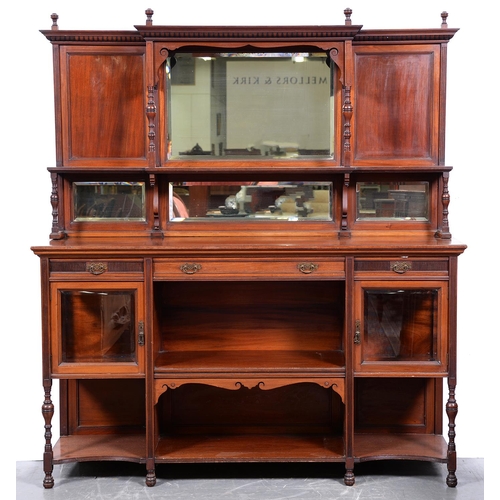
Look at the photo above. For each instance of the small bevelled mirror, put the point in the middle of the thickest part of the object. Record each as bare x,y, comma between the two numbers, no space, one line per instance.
403,201
109,201
255,105
287,201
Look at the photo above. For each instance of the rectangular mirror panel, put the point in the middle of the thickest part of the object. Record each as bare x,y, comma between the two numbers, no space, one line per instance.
256,105
405,201
287,201
109,201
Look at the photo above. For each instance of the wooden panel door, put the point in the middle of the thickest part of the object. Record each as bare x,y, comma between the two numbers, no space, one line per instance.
396,105
103,106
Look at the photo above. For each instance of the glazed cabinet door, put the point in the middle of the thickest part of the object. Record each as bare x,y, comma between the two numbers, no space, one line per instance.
401,327
97,329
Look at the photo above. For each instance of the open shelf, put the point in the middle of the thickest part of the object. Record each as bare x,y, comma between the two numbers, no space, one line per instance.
81,448
386,446
211,362
251,448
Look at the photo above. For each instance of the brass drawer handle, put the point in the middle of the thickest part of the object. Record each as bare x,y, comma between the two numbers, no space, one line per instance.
97,267
307,267
190,268
400,267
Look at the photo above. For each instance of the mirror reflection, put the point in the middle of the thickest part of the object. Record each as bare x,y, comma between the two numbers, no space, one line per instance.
392,200
104,201
277,105
289,201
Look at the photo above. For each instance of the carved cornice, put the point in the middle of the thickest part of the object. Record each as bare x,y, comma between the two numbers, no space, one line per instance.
401,36
69,36
296,34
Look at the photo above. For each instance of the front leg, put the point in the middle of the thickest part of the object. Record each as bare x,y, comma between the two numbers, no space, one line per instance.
451,411
151,472
48,413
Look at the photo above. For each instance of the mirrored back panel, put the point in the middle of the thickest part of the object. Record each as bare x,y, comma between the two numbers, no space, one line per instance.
256,105
287,201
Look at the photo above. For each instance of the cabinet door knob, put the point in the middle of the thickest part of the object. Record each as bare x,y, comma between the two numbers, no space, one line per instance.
307,267
190,268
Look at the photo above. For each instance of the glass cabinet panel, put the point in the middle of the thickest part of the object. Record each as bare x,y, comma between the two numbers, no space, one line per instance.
404,201
289,201
401,326
256,105
97,326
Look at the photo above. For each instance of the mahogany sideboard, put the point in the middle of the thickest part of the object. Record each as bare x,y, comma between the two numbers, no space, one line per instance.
250,257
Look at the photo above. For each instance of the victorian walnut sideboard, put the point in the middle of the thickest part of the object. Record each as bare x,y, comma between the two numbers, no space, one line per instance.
250,257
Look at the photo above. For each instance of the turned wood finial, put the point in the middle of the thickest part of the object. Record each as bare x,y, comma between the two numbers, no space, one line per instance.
347,13
54,18
444,17
149,14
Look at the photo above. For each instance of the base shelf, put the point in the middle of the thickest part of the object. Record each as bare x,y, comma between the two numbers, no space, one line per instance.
82,448
430,447
250,448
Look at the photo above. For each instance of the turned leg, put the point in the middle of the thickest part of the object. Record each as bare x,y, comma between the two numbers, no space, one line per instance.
151,472
349,472
451,411
349,477
48,413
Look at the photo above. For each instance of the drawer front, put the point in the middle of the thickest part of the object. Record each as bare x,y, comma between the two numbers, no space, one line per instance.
401,266
228,269
93,269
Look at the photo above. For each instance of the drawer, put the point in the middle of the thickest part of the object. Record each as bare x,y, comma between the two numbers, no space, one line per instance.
96,268
401,266
228,269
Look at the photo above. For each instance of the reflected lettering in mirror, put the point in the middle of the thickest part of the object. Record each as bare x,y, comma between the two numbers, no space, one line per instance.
255,105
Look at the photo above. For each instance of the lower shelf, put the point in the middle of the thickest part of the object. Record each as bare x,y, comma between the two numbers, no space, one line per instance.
96,447
250,448
400,446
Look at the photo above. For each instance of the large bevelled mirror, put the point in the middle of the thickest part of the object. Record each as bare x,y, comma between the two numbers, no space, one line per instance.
254,105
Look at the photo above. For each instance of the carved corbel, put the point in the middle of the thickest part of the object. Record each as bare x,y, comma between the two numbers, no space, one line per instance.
156,209
344,226
57,232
